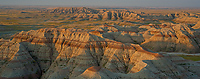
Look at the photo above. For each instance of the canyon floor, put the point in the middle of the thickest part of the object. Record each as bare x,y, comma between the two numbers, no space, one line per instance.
99,43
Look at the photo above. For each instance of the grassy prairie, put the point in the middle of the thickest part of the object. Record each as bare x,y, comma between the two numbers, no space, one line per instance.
188,57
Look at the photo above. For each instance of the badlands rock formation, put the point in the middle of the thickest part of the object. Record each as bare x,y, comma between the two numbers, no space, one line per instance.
178,38
185,17
197,26
72,10
165,37
83,13
103,52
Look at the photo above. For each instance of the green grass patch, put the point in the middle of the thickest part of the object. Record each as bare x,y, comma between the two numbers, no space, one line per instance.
193,58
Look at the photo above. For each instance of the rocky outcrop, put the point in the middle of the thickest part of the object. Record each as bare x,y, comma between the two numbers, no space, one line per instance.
74,53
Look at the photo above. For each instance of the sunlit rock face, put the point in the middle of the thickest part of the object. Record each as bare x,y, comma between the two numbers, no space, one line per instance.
177,38
102,52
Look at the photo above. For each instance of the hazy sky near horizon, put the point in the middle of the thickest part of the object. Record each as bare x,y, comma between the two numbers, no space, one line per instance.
125,3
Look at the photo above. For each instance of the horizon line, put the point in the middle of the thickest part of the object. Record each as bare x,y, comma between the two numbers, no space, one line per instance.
97,6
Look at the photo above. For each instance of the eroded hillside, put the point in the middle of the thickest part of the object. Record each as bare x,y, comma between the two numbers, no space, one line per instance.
87,43
102,52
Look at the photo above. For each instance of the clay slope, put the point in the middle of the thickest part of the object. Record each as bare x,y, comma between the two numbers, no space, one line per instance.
75,53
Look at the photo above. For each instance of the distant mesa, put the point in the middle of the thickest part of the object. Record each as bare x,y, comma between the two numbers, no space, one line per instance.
83,13
73,10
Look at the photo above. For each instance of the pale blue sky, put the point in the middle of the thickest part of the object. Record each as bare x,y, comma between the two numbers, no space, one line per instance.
134,3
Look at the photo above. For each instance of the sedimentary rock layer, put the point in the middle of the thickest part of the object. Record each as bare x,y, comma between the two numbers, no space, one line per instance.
102,52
